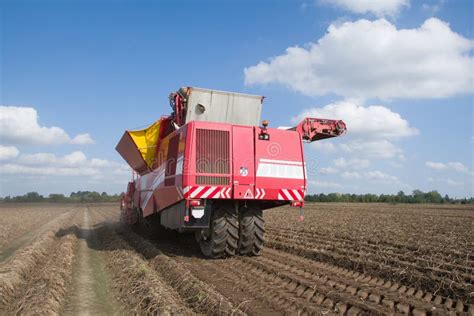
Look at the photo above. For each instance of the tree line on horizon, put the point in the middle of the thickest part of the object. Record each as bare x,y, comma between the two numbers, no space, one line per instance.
417,197
75,197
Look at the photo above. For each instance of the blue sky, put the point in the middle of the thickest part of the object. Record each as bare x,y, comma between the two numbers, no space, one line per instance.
401,72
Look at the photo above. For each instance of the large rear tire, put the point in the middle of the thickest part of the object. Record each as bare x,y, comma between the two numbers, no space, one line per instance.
222,237
251,231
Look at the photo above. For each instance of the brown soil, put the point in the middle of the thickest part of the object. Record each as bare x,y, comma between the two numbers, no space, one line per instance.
344,258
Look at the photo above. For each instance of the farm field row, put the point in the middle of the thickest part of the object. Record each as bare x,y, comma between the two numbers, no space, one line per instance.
343,259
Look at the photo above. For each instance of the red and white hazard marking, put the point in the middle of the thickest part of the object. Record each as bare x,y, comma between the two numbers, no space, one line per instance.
225,193
206,192
259,194
290,195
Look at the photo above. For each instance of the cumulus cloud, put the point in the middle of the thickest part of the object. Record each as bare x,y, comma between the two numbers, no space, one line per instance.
341,163
73,164
328,170
373,149
452,166
378,8
324,146
373,121
450,182
324,184
351,175
433,8
375,175
379,175
369,59
19,125
8,152
351,163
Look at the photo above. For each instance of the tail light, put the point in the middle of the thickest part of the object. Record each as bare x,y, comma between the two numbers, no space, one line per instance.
297,203
195,202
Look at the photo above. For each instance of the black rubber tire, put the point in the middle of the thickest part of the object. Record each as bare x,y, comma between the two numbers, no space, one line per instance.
224,235
251,231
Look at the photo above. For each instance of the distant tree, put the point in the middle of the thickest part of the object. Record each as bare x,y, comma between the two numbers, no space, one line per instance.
433,197
447,199
56,197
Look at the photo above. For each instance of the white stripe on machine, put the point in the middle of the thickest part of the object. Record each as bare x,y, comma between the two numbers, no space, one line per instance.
277,170
285,162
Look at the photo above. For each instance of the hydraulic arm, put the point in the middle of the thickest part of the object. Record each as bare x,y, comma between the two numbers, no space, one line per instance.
314,129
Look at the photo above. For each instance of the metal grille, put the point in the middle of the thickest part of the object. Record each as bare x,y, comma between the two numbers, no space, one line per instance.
212,180
212,151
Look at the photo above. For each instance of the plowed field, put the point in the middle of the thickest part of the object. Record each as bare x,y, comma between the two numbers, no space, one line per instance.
343,259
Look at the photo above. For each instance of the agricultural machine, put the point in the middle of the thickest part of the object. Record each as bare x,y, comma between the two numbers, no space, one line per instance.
211,168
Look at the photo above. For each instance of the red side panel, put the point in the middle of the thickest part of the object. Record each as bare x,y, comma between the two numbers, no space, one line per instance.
280,173
243,162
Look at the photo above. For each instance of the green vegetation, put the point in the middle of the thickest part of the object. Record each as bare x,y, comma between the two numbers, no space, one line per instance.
76,197
416,197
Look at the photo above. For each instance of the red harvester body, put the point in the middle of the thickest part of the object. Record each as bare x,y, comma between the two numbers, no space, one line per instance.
210,169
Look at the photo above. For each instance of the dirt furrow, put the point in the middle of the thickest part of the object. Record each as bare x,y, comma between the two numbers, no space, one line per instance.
410,261
46,290
348,278
393,296
424,247
250,296
139,287
199,296
379,268
424,258
16,272
9,250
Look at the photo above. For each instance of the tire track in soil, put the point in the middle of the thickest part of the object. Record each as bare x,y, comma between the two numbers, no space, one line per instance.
198,296
392,296
280,282
89,293
328,288
249,289
418,256
140,286
377,267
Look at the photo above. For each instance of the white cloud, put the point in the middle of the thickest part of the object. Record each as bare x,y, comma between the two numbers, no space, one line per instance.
73,164
351,175
56,171
351,163
373,149
374,175
8,152
433,8
378,8
324,184
373,121
453,166
19,125
454,183
379,175
450,182
82,139
328,170
368,59
324,146
342,163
